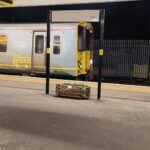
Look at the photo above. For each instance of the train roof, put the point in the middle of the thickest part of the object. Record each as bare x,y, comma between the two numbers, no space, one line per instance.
42,26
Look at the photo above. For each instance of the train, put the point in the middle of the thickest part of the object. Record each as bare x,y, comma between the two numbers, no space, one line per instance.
23,48
74,52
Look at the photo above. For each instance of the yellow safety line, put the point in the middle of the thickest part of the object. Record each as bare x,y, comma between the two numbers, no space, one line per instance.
128,89
21,79
105,86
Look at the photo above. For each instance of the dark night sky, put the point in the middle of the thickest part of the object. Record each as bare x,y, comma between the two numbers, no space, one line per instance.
124,20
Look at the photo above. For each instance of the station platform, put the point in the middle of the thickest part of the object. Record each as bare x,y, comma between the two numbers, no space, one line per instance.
31,120
112,91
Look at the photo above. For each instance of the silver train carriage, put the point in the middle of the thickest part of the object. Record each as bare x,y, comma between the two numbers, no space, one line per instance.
23,48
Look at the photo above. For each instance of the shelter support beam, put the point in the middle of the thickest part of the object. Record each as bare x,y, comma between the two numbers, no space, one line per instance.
101,52
49,19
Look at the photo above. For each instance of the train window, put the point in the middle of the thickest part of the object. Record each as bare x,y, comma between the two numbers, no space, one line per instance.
81,38
85,39
39,44
56,44
3,43
89,40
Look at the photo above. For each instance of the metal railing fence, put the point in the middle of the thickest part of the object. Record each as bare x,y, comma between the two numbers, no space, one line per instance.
124,58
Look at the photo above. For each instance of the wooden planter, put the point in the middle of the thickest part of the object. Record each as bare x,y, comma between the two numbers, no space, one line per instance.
73,91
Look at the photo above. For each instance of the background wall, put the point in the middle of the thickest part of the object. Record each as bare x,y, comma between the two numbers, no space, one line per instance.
59,2
124,20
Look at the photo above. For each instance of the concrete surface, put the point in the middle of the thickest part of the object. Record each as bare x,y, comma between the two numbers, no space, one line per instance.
30,120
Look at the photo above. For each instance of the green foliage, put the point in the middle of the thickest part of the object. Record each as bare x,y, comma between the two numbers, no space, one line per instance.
75,85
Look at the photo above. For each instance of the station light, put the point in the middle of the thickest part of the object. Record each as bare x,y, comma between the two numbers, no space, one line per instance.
6,3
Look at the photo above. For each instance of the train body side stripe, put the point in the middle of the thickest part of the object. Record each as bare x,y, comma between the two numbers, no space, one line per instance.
40,67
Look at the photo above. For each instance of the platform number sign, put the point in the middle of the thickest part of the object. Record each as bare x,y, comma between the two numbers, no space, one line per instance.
7,3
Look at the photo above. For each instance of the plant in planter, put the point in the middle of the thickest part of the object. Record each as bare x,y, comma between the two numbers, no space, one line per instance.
73,90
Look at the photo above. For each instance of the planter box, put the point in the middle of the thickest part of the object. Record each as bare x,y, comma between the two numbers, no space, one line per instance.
73,91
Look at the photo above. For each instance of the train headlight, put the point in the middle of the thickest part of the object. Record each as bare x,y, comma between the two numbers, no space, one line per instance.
91,61
79,64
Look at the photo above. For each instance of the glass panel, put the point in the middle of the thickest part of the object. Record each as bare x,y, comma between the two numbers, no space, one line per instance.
89,40
81,38
85,39
56,38
39,44
56,44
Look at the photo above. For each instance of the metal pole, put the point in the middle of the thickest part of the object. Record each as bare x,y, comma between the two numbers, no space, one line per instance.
101,51
49,18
